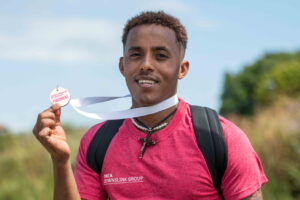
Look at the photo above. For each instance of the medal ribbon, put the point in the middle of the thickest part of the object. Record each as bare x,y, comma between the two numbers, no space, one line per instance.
123,114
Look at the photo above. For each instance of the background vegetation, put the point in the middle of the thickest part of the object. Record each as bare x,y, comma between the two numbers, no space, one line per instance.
25,167
263,99
273,75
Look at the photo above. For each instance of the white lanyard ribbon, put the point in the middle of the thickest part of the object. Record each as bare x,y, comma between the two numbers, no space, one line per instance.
123,114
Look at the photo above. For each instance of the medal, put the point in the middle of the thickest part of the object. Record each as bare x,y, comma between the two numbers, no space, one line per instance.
60,96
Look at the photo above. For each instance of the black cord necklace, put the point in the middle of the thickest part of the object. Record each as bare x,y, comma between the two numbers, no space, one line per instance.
147,141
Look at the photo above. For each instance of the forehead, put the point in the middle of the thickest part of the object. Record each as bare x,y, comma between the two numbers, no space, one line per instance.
151,36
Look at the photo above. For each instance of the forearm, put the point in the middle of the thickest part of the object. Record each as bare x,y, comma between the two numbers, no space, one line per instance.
65,187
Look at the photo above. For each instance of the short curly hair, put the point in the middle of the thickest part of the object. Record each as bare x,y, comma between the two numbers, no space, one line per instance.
160,18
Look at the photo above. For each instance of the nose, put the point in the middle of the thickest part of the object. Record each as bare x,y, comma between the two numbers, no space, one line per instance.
147,63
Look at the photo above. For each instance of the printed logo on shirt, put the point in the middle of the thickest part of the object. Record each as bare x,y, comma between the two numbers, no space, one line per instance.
110,179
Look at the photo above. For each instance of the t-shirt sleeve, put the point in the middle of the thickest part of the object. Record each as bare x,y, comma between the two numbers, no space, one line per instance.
88,181
244,174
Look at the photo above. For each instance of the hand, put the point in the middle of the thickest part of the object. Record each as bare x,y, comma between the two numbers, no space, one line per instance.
49,132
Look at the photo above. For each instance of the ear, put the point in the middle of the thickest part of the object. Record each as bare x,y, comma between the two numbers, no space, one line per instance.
121,65
183,69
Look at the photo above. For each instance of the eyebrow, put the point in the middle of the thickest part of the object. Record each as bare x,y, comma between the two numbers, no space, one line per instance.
157,48
161,48
134,48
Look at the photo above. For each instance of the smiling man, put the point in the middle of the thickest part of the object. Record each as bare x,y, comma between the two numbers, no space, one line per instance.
156,156
152,63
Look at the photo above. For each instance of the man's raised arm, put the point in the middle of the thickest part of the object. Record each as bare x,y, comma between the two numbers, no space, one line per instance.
51,135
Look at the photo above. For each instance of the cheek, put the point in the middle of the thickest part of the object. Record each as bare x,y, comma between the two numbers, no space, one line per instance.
130,67
170,72
127,71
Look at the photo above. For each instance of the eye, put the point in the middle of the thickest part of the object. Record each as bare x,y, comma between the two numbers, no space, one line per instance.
161,56
134,55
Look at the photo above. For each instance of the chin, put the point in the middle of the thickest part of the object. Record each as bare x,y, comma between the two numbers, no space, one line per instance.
146,100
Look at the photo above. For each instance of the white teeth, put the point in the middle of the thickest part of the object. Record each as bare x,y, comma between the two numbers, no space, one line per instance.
145,82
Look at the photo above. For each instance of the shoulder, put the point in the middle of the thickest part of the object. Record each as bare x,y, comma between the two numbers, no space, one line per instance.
228,125
244,174
234,136
88,181
89,134
81,164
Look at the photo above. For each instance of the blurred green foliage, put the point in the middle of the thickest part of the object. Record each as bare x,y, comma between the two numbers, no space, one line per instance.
242,92
274,132
25,166
283,79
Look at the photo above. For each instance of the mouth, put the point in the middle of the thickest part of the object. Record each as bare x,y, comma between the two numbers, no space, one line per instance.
146,82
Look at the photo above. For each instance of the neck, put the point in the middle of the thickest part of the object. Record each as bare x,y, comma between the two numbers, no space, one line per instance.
153,119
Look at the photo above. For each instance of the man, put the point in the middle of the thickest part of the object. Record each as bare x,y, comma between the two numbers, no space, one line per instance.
171,167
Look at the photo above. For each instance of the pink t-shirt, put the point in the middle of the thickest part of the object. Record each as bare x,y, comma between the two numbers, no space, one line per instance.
173,168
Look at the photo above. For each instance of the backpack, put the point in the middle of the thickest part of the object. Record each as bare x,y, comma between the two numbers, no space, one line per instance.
209,135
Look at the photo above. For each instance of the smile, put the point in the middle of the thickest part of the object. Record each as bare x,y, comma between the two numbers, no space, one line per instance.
146,83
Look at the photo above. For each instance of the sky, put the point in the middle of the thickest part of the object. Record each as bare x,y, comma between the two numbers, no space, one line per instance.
77,44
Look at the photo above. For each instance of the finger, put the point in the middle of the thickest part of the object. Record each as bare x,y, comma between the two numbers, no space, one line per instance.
52,108
35,130
59,137
42,121
45,132
42,131
47,123
55,107
46,115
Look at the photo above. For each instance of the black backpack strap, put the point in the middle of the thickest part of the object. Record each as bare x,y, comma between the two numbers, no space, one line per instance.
100,142
211,142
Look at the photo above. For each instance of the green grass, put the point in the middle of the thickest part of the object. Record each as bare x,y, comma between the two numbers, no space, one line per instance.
25,166
275,134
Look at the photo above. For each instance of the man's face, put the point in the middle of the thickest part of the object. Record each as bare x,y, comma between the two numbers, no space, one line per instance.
152,64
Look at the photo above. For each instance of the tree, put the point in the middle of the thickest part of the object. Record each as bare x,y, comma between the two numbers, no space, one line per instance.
239,91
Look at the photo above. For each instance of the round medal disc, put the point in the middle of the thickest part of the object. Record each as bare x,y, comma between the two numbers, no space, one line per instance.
60,95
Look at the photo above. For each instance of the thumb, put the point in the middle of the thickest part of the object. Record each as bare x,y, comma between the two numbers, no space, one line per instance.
57,115
57,111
